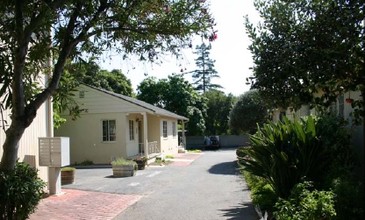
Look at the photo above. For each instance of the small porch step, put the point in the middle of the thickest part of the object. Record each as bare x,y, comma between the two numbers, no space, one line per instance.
152,157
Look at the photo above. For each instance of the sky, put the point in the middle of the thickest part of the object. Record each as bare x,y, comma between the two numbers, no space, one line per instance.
229,50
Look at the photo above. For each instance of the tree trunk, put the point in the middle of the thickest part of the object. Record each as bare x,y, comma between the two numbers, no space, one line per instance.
11,145
363,141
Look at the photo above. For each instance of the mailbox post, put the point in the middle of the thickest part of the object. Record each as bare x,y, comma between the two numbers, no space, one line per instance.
54,152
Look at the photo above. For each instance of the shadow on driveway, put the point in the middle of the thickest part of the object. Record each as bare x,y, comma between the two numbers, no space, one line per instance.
226,168
245,211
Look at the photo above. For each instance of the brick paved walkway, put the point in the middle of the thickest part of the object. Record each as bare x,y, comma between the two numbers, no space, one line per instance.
184,159
77,205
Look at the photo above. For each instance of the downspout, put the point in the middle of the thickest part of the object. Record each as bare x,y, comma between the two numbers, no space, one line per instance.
183,133
145,134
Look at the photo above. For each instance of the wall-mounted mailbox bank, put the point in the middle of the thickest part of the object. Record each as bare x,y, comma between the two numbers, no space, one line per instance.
54,151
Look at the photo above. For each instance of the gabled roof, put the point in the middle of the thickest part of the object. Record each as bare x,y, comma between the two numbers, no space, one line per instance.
156,110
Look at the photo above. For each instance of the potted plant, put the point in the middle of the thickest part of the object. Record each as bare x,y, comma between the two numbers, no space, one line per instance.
67,175
123,168
141,162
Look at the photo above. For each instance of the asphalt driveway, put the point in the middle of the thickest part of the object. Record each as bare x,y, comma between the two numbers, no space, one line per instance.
195,186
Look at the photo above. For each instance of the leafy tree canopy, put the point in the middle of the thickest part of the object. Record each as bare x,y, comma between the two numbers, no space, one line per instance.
249,111
219,106
308,47
90,73
177,95
39,36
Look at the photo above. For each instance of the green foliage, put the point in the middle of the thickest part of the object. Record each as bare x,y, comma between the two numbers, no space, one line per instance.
84,163
286,152
262,193
306,203
176,95
219,106
333,132
121,161
68,169
195,151
247,112
90,74
308,47
205,72
349,200
20,190
241,152
39,37
316,149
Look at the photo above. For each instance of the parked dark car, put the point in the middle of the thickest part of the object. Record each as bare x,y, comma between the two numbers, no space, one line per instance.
212,142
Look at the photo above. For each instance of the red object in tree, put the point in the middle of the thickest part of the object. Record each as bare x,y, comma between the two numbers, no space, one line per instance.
349,100
166,8
213,37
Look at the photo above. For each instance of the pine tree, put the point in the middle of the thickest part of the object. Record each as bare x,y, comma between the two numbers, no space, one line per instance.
205,69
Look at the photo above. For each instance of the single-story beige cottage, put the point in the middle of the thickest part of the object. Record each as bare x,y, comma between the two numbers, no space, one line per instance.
113,125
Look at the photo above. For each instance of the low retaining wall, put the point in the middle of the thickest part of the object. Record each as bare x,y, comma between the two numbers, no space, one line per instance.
226,141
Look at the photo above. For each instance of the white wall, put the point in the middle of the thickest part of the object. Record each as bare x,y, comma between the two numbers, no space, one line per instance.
28,145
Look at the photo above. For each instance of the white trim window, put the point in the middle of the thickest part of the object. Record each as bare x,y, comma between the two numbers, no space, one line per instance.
164,129
174,129
109,130
131,130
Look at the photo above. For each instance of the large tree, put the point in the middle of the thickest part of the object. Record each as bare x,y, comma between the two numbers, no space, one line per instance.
31,29
205,71
177,95
249,111
91,74
308,47
219,106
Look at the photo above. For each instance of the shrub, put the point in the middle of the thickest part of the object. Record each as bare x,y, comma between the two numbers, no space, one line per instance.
315,149
262,193
284,153
341,176
121,161
86,163
20,190
241,153
349,203
306,203
68,169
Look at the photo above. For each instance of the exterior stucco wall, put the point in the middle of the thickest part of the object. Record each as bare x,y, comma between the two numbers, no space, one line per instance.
86,141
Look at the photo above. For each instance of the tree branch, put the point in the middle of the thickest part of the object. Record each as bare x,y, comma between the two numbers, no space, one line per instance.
21,48
68,44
